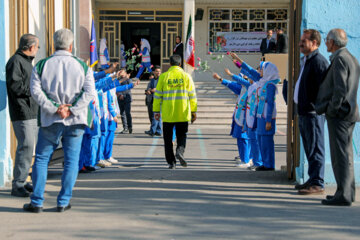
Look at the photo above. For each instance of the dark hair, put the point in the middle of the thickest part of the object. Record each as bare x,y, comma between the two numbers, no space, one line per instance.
179,37
157,67
27,40
175,60
313,35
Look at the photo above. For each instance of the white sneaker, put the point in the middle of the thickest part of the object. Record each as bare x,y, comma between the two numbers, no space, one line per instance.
101,164
112,160
243,165
107,163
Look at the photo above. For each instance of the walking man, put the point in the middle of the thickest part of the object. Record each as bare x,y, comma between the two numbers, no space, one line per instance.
175,94
63,87
337,99
311,125
23,111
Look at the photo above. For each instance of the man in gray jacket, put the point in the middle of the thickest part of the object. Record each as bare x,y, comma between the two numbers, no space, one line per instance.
337,99
63,86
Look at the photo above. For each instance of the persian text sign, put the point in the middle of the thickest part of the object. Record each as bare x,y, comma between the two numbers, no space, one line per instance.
240,41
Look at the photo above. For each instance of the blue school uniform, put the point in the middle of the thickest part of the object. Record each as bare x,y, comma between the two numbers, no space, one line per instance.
237,130
266,112
145,63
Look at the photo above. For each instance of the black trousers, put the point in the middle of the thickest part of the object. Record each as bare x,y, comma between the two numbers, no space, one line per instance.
181,130
125,112
340,137
150,112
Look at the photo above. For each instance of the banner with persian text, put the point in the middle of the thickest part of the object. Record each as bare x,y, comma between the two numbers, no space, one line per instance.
240,41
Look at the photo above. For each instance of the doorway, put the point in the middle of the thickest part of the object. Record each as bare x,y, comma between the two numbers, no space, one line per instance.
132,32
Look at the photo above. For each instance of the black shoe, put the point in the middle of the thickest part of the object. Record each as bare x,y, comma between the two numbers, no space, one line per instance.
90,168
84,170
30,208
158,134
335,202
130,130
172,166
263,168
302,186
253,168
124,131
29,187
20,192
181,158
63,208
329,197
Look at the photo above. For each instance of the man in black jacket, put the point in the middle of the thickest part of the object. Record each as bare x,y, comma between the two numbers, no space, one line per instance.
268,44
281,42
23,111
311,125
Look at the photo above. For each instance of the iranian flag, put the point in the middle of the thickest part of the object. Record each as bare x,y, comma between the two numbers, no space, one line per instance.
190,46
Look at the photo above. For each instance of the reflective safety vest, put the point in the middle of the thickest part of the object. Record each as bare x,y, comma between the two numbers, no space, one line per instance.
175,95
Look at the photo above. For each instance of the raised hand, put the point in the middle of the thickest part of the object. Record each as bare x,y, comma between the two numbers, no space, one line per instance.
217,77
227,71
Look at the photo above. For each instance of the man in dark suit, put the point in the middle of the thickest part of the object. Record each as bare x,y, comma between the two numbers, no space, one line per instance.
179,49
337,99
268,44
311,125
281,42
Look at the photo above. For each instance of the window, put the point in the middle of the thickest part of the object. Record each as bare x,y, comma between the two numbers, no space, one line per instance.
244,20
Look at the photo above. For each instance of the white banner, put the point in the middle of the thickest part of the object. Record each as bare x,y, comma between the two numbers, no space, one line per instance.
240,41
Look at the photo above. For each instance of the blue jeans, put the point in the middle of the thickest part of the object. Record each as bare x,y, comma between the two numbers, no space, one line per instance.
155,126
311,128
48,140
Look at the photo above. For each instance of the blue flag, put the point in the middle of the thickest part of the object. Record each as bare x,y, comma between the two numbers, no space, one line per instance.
93,52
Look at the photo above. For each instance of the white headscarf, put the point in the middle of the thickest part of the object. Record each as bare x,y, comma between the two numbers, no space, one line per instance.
103,45
145,44
270,72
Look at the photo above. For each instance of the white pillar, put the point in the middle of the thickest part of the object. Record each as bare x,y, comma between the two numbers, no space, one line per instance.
189,10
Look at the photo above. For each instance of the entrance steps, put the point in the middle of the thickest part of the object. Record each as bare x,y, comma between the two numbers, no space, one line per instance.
215,105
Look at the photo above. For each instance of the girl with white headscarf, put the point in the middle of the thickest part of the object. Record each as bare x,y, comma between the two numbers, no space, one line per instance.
104,54
145,60
263,109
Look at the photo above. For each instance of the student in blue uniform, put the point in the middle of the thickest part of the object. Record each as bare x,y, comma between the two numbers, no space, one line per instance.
145,57
239,88
90,143
267,78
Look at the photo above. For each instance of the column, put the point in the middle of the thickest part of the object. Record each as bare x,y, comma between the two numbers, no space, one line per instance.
82,11
189,10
